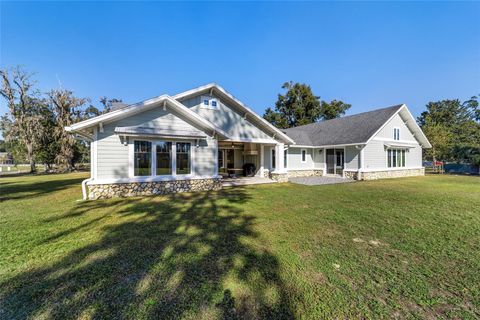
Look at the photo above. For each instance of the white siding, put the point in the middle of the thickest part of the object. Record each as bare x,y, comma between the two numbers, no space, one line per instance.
375,152
351,157
294,160
227,119
396,122
113,156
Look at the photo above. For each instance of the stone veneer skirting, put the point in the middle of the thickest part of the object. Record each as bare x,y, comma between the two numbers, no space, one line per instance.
305,173
374,175
104,191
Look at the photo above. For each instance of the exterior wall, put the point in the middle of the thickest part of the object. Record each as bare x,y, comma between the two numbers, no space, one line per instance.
294,159
104,191
352,158
226,118
375,155
396,122
113,156
374,175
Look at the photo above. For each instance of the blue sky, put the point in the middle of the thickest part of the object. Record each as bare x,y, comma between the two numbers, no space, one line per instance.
369,54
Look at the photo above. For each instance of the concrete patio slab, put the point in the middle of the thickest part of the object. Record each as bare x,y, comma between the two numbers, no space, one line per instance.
314,181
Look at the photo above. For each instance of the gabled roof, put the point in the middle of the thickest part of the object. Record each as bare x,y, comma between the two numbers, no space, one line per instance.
356,129
213,88
163,100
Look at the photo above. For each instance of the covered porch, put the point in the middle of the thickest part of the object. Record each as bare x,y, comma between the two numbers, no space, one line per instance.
237,159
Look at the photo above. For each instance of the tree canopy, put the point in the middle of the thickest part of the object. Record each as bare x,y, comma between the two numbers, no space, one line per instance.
299,106
453,129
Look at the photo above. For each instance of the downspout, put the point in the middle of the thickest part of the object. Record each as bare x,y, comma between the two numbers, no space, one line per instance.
84,188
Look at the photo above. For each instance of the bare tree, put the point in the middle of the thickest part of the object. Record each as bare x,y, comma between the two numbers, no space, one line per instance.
26,108
67,109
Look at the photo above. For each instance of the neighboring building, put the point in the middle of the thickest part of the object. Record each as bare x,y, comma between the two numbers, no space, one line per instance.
187,142
6,158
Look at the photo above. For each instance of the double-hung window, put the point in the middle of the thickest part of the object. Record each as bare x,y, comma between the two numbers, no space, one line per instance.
183,158
143,158
395,158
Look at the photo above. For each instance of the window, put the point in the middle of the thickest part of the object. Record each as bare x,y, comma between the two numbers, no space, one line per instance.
396,133
285,156
206,102
209,102
273,158
164,158
143,158
183,158
304,155
395,158
214,103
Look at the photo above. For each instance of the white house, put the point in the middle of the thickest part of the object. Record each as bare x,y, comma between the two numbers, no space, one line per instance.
189,141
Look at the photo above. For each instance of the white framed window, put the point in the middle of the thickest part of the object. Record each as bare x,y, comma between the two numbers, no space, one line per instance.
304,155
164,158
209,103
160,158
183,163
396,133
396,158
142,164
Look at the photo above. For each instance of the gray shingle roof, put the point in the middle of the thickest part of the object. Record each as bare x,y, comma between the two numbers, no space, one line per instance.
357,128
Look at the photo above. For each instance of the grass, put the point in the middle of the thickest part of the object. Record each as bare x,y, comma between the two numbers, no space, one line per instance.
402,248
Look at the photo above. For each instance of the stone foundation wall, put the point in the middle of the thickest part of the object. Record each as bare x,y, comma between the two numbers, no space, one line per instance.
305,173
350,175
105,191
279,177
392,174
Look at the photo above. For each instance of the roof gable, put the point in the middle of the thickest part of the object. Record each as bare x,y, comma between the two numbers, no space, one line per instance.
213,89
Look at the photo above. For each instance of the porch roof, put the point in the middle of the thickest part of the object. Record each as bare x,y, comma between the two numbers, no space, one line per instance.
158,132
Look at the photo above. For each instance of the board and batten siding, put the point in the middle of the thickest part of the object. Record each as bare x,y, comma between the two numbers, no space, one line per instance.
226,118
113,156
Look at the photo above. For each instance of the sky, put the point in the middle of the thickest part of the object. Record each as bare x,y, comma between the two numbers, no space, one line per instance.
368,54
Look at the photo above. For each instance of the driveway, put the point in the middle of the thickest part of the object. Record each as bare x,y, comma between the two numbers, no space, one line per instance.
313,181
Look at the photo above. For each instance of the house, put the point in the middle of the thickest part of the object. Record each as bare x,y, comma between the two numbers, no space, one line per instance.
189,141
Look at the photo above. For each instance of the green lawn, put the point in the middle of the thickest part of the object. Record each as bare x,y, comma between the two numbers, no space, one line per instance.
402,248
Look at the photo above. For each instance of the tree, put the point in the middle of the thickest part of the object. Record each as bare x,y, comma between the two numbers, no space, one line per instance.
299,106
452,127
67,109
333,109
24,124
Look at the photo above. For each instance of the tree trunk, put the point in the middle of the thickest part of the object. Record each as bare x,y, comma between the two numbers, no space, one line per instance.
33,168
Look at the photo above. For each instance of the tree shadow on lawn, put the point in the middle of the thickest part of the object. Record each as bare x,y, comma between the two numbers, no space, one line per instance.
17,190
169,258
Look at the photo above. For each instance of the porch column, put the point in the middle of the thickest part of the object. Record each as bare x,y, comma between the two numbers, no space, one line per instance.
262,160
279,164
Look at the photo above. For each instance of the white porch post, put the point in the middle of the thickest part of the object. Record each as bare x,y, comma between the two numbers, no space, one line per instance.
215,161
262,160
279,165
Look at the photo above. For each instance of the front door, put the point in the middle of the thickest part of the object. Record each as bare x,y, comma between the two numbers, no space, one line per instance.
335,161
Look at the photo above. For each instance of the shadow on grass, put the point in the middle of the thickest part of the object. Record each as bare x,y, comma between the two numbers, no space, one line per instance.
18,190
169,257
